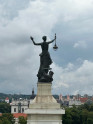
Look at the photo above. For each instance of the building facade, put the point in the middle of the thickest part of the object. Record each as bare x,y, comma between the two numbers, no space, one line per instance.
18,106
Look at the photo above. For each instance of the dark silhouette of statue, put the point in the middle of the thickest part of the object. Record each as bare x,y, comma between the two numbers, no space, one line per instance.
44,74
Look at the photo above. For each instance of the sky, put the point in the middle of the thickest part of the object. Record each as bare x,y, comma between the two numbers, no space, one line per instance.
71,20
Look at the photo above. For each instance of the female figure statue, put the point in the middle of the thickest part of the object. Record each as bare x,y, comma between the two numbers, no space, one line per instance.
45,60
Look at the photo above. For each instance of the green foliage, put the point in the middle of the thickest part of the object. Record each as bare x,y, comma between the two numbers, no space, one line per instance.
83,115
22,120
87,107
7,119
91,108
67,119
79,115
5,108
71,116
89,121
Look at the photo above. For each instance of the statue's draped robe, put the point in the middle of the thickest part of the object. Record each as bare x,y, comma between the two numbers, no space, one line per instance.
45,59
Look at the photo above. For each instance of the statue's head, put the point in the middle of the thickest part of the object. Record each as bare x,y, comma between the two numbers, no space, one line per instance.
44,38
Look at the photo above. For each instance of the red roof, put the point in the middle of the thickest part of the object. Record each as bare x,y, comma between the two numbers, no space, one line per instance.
7,98
83,100
17,115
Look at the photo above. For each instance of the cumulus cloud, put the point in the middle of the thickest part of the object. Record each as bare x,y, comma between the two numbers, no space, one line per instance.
19,58
80,44
74,81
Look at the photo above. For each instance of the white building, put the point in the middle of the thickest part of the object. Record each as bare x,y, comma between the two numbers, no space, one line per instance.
18,106
7,100
74,102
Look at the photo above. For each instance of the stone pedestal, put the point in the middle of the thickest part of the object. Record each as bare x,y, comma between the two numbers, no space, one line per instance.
44,109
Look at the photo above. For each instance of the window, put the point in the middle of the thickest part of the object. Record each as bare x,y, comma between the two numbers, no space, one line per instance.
14,109
22,110
19,107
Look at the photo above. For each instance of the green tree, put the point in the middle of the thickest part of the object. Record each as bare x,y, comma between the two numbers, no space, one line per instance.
7,119
22,120
84,116
79,115
5,108
0,121
67,119
89,121
91,107
75,114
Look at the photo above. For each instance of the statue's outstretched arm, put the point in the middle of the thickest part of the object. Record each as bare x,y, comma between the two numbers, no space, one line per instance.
34,41
52,40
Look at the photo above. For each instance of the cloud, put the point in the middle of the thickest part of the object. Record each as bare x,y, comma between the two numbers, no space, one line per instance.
19,58
74,81
80,44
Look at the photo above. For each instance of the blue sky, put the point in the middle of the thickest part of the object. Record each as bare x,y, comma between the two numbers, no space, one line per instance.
71,20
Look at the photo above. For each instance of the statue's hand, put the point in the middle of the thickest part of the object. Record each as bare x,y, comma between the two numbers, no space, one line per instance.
32,38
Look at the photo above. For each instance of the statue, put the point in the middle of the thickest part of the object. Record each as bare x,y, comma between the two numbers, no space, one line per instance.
44,74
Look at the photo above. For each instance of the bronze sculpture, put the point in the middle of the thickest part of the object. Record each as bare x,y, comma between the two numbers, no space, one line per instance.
44,74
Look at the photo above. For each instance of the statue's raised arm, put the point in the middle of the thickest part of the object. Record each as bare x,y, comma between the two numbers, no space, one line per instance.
52,40
34,41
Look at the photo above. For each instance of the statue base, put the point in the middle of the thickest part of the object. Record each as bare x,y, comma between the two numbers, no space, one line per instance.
44,109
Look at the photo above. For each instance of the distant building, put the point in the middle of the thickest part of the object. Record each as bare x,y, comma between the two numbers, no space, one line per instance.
67,101
74,102
68,97
78,96
7,100
83,100
86,96
18,106
60,97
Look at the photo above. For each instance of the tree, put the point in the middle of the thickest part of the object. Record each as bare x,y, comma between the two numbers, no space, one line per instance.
75,114
5,108
0,121
22,120
7,119
89,121
79,115
67,119
91,107
84,116
90,118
